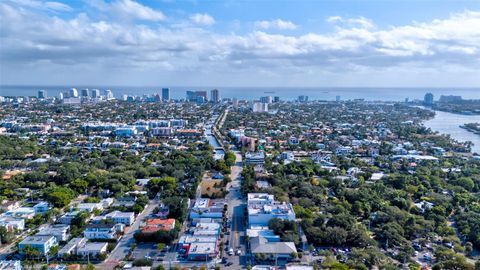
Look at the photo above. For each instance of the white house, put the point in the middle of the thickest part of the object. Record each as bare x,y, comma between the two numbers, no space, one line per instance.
126,218
12,223
101,231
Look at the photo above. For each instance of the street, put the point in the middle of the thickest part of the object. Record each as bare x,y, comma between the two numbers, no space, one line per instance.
236,208
124,244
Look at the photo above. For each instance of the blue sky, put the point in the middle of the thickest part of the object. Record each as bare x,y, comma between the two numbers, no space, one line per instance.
240,43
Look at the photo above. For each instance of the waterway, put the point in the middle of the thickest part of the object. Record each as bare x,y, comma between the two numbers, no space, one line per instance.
449,123
212,140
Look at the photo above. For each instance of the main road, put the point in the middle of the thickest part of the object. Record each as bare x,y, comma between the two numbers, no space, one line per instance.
124,244
236,209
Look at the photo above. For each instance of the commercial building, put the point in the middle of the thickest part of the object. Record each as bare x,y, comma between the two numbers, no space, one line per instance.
42,94
451,98
84,93
43,244
95,93
267,99
201,251
253,158
162,131
165,94
207,208
272,250
428,99
259,107
215,96
73,93
194,95
302,98
262,207
126,131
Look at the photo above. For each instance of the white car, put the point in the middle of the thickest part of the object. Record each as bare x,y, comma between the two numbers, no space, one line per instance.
239,252
230,251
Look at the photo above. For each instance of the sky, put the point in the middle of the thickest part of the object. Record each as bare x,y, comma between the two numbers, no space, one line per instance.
408,43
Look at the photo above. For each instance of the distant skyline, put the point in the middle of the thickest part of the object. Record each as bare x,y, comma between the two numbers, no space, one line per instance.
240,43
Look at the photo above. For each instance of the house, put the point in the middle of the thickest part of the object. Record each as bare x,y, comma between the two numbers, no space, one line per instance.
12,223
22,212
126,201
293,140
43,244
272,250
106,202
102,231
156,224
59,231
71,247
92,249
67,218
126,218
10,265
41,207
9,205
262,207
89,207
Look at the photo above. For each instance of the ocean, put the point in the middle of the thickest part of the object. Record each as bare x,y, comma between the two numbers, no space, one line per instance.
285,93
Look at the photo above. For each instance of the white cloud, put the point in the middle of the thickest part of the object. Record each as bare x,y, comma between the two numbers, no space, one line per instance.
202,19
351,22
135,10
276,24
36,39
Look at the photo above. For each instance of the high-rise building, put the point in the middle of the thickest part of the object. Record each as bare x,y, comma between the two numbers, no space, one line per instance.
108,94
165,94
446,99
95,93
200,99
73,92
428,99
337,98
259,107
235,102
276,99
60,96
302,98
215,95
84,93
267,99
42,94
193,95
